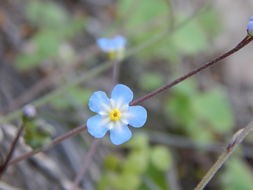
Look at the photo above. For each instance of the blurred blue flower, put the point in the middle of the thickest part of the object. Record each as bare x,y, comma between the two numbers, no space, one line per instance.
114,47
115,114
250,26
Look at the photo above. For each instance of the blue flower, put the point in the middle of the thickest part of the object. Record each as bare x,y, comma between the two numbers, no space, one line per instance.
114,47
250,26
115,114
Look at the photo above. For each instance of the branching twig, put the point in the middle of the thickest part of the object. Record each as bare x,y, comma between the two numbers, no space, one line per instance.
56,141
235,141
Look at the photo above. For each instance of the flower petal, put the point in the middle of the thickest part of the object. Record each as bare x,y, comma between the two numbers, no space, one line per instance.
122,93
96,127
98,101
137,116
120,134
250,27
119,42
105,44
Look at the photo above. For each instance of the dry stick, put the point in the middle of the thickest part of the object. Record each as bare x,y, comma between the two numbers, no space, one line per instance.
4,166
85,163
243,43
238,137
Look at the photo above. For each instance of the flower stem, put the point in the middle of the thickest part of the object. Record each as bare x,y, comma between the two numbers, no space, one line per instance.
235,141
115,72
243,43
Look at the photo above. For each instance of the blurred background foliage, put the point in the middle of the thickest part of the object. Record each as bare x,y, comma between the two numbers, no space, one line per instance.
165,40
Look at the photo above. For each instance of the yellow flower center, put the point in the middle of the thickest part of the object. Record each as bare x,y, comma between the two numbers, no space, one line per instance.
115,115
112,55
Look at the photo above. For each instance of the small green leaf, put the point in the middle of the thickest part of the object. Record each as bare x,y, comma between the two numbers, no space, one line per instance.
46,14
144,12
211,22
126,181
161,158
37,133
213,107
237,175
151,80
111,162
103,183
136,162
139,141
190,38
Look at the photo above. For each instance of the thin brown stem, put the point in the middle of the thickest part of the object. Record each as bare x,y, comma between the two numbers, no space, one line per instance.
85,163
243,43
56,141
4,166
115,72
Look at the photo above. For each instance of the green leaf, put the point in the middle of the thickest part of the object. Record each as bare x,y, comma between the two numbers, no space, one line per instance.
190,38
111,162
136,162
157,177
103,182
199,133
237,175
126,181
213,107
26,62
210,21
161,158
139,142
151,80
180,103
46,14
46,45
145,11
37,133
